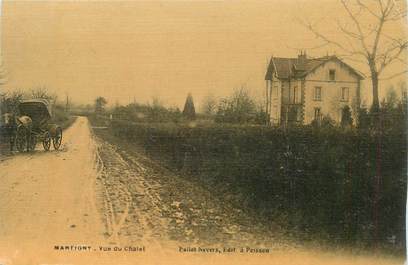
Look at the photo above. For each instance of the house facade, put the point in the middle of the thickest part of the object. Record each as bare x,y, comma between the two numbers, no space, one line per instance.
300,90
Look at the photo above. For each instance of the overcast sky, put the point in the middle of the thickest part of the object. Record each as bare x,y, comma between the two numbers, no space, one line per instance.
127,50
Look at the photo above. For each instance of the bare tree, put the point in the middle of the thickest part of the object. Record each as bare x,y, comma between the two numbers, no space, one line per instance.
3,80
42,93
240,107
10,100
209,105
367,38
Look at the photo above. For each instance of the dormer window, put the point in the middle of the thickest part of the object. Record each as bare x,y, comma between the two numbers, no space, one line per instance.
332,74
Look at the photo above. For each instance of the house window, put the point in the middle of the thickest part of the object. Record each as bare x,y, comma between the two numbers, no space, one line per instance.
332,74
294,96
344,94
318,93
317,114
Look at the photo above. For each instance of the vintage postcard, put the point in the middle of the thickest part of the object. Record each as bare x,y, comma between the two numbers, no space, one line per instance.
203,132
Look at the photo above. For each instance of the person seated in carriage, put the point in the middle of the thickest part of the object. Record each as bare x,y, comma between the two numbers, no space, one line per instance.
38,110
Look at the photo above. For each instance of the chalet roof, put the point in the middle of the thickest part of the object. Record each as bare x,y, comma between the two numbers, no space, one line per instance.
300,67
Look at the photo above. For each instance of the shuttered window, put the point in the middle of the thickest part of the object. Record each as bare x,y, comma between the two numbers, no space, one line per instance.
318,93
344,94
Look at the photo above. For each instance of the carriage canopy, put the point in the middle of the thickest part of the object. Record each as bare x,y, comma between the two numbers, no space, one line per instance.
36,109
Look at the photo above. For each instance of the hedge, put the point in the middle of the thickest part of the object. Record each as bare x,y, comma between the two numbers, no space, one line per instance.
318,182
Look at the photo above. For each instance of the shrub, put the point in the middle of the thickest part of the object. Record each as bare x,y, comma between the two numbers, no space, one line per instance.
238,108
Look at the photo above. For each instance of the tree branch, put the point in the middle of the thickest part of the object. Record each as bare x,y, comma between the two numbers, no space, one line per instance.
370,42
368,9
393,76
350,57
387,58
309,26
347,32
357,24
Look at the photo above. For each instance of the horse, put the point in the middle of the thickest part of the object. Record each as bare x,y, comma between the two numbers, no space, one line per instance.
9,127
13,125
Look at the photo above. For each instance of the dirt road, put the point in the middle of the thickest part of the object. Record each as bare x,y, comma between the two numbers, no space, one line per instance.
98,195
48,198
151,204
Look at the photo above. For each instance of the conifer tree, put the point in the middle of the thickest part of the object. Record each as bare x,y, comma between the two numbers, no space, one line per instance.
189,109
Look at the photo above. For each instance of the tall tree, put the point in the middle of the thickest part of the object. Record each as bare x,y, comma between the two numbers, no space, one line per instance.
100,103
368,37
189,109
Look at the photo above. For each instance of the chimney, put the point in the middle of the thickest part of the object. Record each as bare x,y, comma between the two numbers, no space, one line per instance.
302,59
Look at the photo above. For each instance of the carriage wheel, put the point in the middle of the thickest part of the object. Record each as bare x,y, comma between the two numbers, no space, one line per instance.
21,138
33,142
46,141
57,139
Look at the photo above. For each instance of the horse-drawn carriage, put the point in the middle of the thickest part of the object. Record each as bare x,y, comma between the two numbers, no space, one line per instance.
32,125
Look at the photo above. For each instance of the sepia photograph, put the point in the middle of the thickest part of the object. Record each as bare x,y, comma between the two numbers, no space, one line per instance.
203,132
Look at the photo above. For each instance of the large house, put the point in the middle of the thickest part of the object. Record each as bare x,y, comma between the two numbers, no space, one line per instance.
300,90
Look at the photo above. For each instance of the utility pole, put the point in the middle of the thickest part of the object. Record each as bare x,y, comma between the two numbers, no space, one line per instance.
67,103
